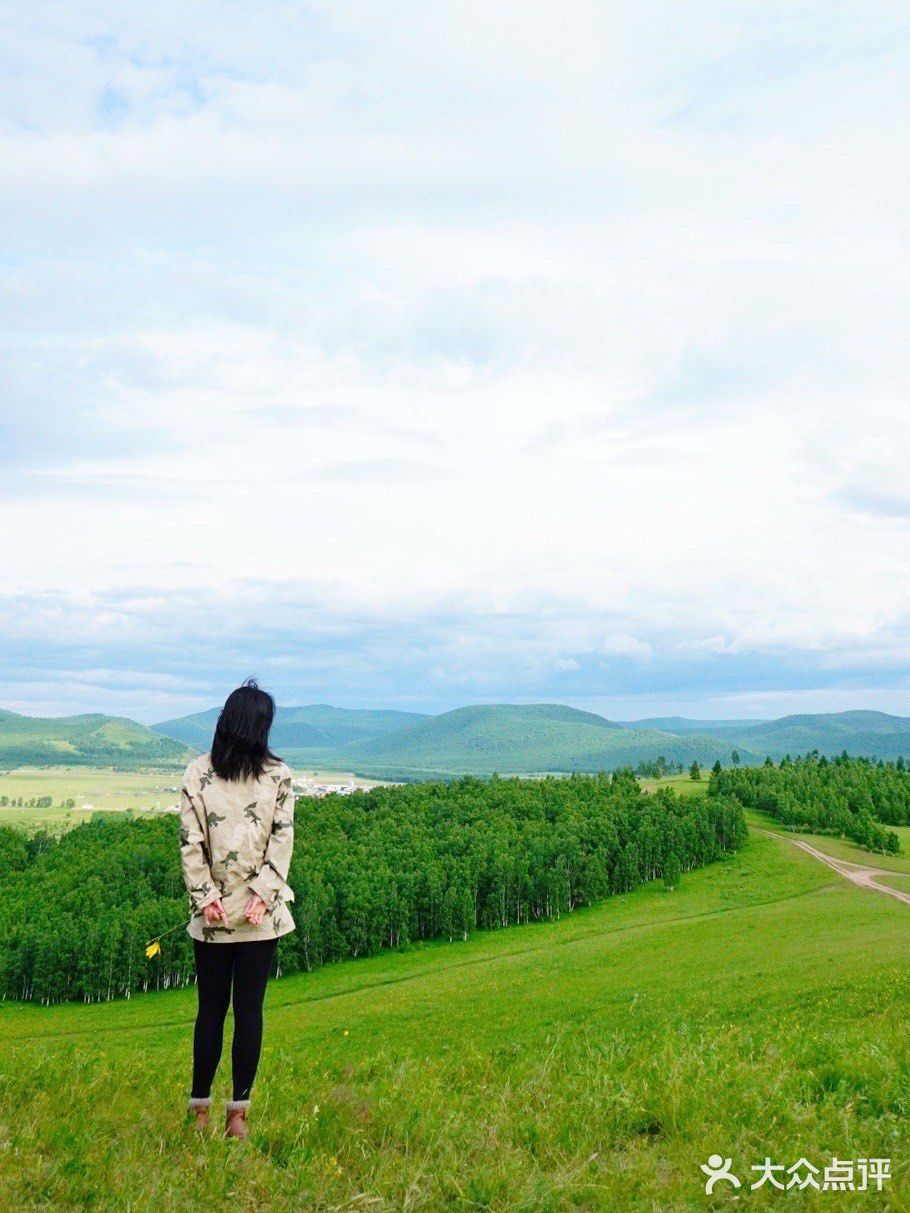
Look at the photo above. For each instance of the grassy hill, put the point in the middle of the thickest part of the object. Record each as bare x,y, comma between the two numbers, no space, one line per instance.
591,1064
862,733
91,740
521,738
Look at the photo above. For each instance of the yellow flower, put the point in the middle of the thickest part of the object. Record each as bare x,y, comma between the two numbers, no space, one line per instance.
153,949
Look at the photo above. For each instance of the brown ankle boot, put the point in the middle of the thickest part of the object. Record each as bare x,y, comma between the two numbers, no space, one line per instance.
235,1120
200,1110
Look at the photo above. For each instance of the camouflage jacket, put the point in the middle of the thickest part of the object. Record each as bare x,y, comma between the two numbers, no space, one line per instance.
236,838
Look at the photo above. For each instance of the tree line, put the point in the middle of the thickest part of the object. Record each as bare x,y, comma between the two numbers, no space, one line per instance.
371,870
34,802
852,797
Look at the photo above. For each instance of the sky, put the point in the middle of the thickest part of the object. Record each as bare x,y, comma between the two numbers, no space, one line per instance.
417,355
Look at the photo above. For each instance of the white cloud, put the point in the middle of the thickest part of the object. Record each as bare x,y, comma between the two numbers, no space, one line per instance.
594,316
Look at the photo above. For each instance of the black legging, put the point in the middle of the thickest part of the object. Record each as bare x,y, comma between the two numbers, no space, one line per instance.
218,967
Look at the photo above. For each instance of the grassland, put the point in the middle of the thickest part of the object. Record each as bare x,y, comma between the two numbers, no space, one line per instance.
106,790
588,1064
843,848
901,882
683,784
150,790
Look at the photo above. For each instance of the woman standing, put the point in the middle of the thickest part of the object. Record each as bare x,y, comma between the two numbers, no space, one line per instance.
236,839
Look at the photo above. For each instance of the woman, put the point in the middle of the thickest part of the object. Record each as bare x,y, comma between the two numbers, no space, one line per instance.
236,839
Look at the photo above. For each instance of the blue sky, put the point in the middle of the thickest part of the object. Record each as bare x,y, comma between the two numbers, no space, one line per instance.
418,355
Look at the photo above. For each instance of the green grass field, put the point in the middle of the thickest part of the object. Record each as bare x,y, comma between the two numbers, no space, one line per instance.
901,882
843,848
679,783
104,789
593,1063
143,791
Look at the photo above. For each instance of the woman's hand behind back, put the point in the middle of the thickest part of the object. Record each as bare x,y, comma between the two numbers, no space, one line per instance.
214,913
255,910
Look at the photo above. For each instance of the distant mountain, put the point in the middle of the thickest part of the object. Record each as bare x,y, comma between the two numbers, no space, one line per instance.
683,724
91,740
195,730
313,729
531,738
508,738
872,734
321,725
523,738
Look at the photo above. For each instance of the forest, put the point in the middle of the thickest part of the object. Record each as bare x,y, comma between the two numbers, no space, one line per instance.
852,797
372,870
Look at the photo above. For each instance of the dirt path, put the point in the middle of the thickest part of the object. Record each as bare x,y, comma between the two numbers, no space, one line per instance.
864,877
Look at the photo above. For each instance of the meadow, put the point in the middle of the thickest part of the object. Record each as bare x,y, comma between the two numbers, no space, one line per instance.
901,882
842,848
146,791
106,790
591,1063
833,844
684,785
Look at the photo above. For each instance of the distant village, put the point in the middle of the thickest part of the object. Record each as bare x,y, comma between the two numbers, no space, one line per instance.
305,785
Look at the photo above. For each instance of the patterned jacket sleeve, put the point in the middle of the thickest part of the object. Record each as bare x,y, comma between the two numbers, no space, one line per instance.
269,883
197,874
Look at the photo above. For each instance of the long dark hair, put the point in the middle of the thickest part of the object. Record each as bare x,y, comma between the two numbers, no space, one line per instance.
240,747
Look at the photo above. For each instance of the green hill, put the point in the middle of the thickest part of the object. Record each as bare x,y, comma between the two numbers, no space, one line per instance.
593,1064
871,734
521,739
552,737
91,740
528,738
